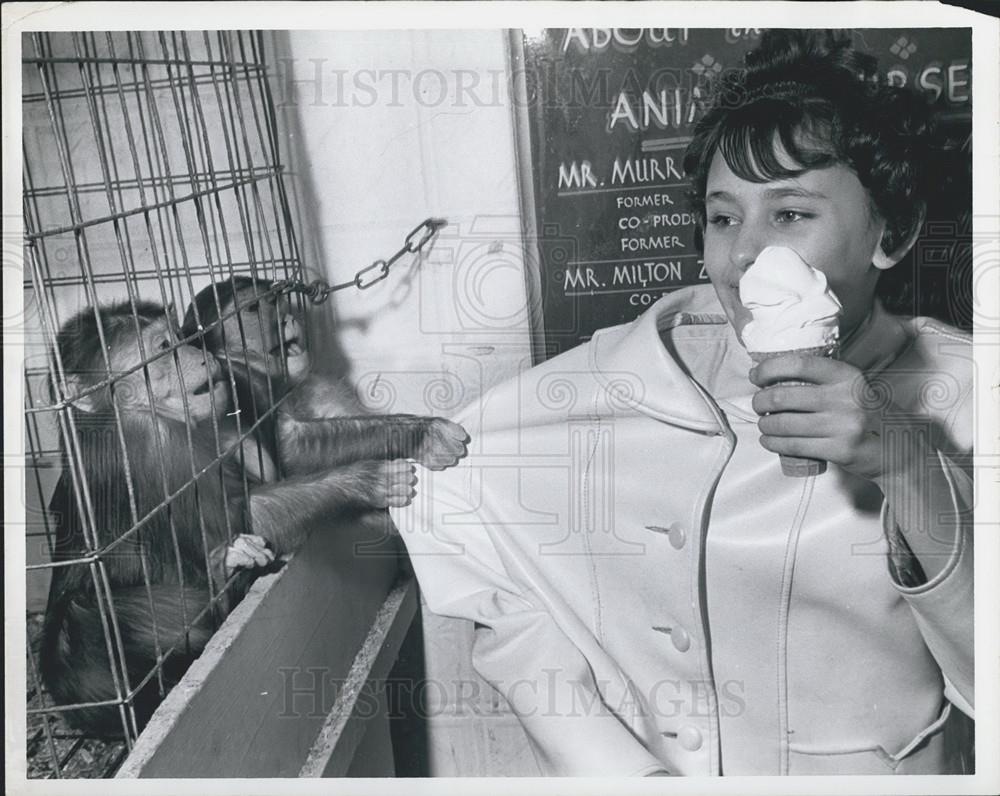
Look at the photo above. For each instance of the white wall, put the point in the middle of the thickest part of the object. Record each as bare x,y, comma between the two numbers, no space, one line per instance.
396,131
373,152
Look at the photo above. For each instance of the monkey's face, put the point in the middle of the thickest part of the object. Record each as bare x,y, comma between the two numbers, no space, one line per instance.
183,385
269,327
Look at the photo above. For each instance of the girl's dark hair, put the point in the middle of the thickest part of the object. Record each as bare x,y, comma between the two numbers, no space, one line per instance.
824,102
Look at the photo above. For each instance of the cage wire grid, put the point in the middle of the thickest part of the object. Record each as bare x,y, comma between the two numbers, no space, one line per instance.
151,169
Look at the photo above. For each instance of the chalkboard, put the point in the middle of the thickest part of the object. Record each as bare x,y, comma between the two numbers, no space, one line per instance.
604,117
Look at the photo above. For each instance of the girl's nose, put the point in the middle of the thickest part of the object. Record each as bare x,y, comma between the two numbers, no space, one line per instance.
748,244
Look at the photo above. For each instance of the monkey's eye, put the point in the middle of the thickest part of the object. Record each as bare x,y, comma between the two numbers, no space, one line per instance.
164,344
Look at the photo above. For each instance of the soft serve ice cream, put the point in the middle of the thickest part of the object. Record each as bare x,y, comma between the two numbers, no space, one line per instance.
792,306
793,310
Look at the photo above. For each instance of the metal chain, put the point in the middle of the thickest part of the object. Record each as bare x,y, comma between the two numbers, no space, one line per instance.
319,291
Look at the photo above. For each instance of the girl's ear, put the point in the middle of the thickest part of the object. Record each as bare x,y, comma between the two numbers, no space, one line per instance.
885,260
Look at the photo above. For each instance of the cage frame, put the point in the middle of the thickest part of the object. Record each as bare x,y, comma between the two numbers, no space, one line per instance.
237,77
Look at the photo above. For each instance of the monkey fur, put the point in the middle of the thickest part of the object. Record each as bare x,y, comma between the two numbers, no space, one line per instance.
319,423
208,533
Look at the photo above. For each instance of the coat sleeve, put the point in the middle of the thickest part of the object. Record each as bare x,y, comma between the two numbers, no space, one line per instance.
518,648
934,383
936,387
943,605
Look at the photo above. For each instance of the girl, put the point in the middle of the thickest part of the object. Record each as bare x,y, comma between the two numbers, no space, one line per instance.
652,595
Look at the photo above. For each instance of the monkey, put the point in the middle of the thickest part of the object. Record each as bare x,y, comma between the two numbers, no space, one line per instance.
210,535
251,329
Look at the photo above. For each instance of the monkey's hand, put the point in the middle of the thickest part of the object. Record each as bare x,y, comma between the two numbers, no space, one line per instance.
444,443
248,551
285,512
389,484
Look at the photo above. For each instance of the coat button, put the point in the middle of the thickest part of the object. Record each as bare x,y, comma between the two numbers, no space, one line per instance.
677,536
690,738
674,532
681,639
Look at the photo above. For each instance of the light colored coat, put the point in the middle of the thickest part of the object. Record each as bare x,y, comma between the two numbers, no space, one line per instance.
651,593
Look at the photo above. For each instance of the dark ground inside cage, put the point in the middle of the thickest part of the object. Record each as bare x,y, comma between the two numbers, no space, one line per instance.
61,750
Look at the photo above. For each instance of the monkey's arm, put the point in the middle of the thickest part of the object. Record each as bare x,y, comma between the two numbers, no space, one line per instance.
284,512
310,444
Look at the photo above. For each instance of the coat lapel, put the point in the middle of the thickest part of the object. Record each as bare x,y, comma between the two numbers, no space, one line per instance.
665,391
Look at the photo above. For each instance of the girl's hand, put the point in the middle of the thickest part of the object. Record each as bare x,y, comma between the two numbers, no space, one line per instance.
828,418
839,416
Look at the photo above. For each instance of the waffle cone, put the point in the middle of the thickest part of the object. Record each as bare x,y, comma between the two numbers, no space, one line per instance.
797,466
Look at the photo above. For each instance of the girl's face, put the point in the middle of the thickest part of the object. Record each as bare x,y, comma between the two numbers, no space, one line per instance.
823,214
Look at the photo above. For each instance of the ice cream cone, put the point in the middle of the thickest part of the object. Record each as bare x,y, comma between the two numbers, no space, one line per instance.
797,466
793,311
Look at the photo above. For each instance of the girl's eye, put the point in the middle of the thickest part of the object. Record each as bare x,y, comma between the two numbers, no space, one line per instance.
721,220
787,216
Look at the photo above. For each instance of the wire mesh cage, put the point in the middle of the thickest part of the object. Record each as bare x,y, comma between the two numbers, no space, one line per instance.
151,171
